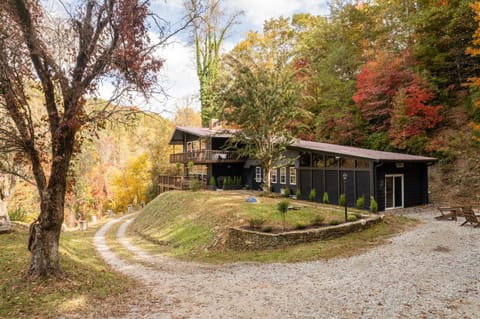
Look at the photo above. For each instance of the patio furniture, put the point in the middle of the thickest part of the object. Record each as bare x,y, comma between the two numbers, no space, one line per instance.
470,217
447,213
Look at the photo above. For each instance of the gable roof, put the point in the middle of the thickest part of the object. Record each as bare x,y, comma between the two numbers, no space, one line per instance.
334,149
378,156
177,136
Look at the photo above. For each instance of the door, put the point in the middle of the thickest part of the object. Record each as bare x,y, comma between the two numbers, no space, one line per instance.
393,191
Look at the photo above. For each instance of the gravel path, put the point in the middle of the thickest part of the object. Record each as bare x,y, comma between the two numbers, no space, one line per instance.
432,271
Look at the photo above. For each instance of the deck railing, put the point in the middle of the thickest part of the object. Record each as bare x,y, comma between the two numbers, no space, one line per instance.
205,156
180,182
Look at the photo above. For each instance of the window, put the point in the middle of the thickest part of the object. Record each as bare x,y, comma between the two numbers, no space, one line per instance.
273,176
293,176
331,161
283,175
258,174
318,161
363,164
347,163
305,159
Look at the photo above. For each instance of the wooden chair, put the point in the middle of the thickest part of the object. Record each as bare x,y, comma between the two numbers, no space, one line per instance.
449,213
470,217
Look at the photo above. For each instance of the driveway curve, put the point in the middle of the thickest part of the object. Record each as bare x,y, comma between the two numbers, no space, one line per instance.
432,271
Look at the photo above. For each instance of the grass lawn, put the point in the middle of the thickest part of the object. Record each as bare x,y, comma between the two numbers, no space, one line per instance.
89,282
191,226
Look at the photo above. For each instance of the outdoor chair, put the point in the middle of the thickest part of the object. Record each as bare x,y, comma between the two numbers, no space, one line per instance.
470,217
447,213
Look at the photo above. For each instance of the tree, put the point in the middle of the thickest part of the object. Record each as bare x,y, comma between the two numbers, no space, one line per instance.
209,30
110,42
474,50
260,94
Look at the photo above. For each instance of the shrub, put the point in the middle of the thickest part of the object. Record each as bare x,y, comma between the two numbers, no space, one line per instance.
325,198
334,222
211,181
373,205
194,185
256,222
317,220
312,195
298,193
360,202
282,207
239,181
352,218
300,225
287,192
21,215
343,199
267,229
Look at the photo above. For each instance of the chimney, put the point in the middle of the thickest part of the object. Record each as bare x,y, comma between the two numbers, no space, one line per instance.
214,124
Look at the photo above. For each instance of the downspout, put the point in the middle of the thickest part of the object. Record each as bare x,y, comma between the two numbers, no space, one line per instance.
375,189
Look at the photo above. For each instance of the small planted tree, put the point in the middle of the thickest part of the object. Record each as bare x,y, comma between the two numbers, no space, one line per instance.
312,195
282,207
298,193
211,182
325,198
373,205
342,200
287,192
360,202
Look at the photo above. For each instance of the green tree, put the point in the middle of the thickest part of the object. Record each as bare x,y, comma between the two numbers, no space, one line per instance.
260,94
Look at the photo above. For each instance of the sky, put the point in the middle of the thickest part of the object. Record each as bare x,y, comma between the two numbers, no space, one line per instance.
179,75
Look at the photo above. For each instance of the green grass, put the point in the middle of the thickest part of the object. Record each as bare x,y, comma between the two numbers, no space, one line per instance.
189,226
89,282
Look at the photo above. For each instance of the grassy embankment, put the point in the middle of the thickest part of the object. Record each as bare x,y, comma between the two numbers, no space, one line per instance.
88,284
192,226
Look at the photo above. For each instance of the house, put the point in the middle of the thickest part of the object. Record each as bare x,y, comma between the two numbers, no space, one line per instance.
395,180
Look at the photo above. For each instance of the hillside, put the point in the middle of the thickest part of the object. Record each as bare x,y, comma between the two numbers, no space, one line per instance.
455,179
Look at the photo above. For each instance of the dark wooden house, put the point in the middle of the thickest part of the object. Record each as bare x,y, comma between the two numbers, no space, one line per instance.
395,180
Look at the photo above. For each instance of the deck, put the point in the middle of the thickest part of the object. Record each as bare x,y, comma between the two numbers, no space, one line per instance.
179,182
206,157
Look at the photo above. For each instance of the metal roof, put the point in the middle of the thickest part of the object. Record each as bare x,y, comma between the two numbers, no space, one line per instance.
360,152
194,132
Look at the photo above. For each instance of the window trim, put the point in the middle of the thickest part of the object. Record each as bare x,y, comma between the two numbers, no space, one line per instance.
258,174
283,174
274,176
290,170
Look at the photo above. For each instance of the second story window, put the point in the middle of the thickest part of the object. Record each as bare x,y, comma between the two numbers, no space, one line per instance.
293,176
283,175
258,174
273,176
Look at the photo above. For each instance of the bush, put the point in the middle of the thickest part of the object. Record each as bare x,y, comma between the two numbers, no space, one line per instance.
352,218
21,215
325,198
267,229
300,225
211,182
373,205
312,195
360,202
194,185
343,199
317,220
287,192
334,222
256,222
298,193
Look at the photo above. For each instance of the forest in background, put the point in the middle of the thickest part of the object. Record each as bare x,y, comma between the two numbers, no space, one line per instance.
394,75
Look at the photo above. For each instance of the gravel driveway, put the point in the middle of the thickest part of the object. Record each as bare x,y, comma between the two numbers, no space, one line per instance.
432,271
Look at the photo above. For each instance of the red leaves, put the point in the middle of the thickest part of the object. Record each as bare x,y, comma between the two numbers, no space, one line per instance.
393,98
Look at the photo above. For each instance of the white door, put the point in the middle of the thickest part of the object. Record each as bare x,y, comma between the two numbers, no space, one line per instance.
393,191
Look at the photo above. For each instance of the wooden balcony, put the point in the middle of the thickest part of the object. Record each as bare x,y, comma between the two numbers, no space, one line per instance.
179,182
205,157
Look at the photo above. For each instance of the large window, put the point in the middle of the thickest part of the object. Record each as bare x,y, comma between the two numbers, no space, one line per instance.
293,176
283,175
273,176
317,160
258,174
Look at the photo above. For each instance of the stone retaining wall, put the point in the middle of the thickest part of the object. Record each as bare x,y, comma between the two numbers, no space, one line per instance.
242,239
